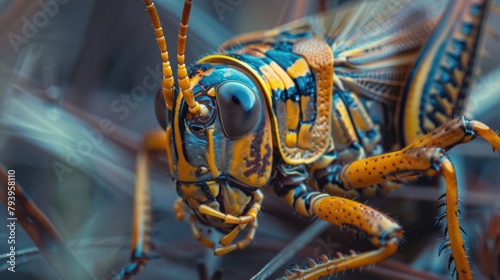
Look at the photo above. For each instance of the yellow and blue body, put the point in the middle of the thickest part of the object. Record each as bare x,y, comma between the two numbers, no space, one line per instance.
346,103
350,102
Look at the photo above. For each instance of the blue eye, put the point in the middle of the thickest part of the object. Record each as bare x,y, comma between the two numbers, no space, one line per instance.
240,109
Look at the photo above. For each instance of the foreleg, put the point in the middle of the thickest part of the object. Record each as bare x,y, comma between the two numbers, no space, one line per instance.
153,142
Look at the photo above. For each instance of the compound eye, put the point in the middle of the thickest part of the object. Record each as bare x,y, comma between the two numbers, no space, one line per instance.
161,109
239,109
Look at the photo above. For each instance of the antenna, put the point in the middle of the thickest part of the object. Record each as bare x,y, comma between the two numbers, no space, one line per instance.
182,75
168,79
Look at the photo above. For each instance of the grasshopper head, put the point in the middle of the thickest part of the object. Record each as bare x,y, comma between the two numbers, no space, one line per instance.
221,156
219,140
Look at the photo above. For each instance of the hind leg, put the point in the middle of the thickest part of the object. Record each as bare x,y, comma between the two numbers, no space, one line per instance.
426,156
382,231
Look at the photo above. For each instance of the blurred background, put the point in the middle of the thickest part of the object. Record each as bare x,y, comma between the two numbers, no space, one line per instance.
74,103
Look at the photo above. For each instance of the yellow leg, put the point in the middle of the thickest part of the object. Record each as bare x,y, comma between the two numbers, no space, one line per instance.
154,141
458,131
425,156
407,163
378,228
224,249
228,238
381,230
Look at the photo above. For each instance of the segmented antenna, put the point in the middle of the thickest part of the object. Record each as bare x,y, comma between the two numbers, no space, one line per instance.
168,77
182,75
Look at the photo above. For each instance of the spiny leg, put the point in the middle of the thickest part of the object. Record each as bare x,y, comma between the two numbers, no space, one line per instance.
382,231
379,229
154,141
454,132
408,163
425,157
414,160
457,131
250,218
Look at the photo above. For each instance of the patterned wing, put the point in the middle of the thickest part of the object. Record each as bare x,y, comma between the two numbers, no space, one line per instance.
376,42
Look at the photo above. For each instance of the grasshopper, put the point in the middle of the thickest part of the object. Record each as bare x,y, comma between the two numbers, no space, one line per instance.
289,109
355,101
